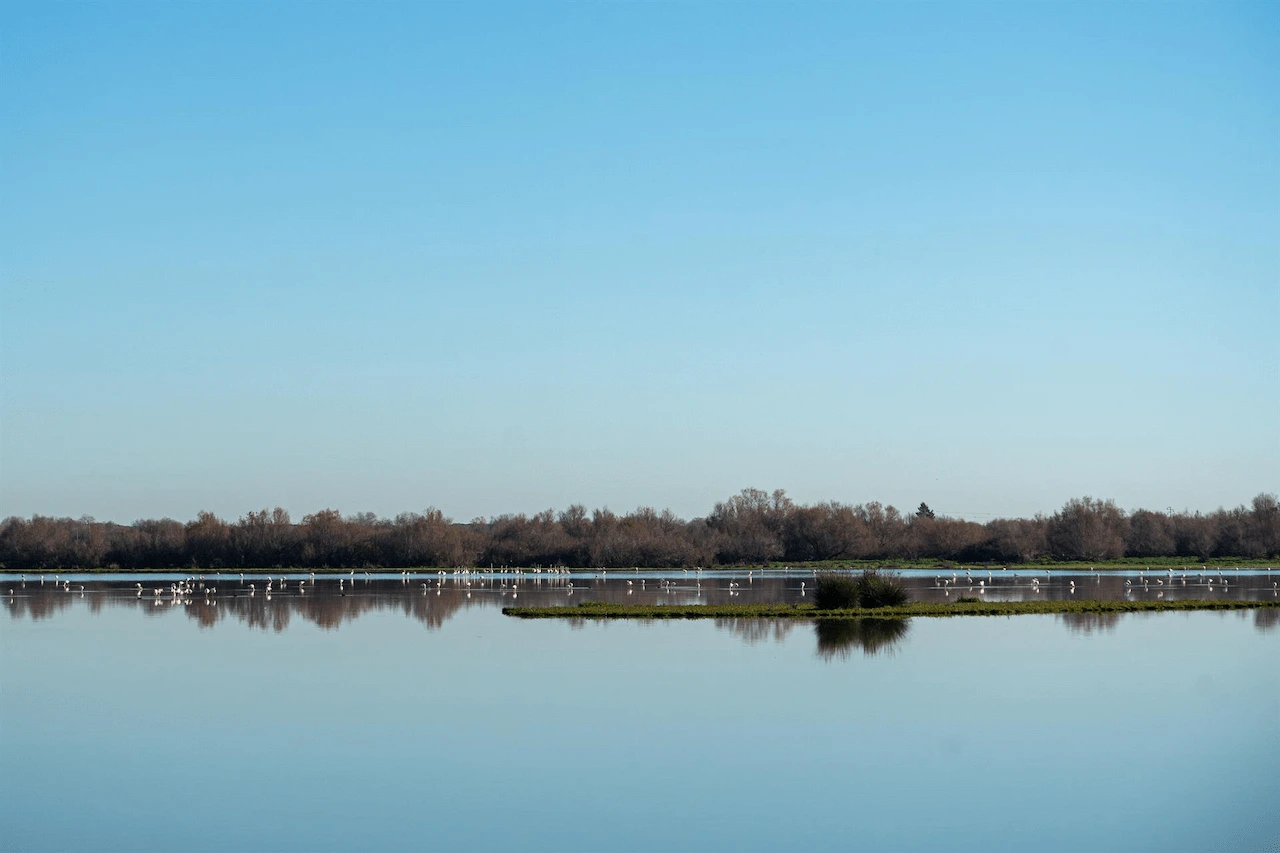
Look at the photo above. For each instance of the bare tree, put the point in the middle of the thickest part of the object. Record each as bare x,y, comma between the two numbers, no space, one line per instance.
1149,535
1087,529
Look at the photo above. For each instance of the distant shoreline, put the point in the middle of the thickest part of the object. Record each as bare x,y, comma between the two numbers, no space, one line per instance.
752,528
1162,564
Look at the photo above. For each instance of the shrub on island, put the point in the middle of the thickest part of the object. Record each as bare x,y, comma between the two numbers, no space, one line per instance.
871,589
835,592
877,590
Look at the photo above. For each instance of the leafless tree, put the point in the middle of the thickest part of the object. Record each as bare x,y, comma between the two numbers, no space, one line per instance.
1088,529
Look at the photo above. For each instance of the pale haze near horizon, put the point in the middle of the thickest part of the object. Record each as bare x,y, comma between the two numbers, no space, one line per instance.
497,258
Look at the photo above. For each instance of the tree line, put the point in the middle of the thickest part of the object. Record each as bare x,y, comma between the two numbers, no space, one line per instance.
752,527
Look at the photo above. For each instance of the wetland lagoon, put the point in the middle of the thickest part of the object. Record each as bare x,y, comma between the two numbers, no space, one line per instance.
405,711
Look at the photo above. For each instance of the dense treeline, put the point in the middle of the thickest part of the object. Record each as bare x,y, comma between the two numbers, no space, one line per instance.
750,527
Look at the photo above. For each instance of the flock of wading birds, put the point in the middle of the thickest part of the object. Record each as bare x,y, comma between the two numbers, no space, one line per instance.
1204,578
189,589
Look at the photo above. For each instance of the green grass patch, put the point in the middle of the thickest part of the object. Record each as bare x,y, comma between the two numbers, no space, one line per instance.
607,610
1121,564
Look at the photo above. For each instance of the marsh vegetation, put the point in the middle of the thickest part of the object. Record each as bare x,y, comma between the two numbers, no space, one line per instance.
869,590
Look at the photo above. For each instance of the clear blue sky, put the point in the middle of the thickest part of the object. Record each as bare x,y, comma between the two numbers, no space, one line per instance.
499,258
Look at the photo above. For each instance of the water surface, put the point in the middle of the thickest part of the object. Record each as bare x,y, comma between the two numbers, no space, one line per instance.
394,717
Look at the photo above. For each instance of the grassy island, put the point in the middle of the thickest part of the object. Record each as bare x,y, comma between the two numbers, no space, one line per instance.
606,610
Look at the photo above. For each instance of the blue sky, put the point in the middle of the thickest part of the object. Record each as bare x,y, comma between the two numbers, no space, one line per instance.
499,258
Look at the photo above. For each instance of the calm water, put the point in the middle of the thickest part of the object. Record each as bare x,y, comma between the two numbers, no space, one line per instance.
392,717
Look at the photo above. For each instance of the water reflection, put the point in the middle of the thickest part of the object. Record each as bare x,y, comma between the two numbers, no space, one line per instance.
837,638
327,609
1090,623
1136,585
598,734
271,603
739,586
753,631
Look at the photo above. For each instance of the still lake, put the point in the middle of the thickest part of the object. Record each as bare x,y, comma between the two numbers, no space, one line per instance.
387,716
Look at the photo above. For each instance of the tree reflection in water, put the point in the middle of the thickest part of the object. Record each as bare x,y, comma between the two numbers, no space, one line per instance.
39,604
326,609
837,638
1090,623
433,603
752,631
